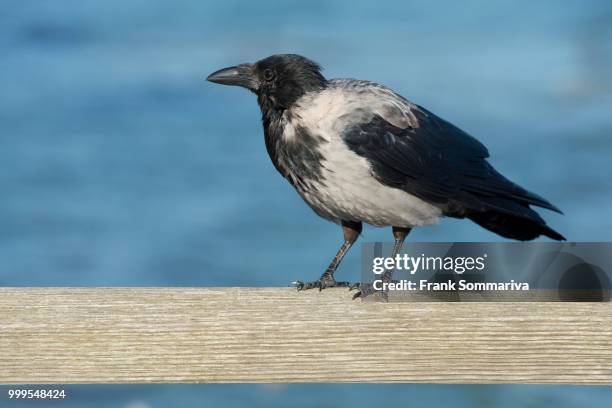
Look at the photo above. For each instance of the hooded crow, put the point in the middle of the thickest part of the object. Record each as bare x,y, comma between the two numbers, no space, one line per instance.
357,152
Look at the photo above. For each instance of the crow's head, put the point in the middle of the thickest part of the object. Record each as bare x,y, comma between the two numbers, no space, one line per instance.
278,80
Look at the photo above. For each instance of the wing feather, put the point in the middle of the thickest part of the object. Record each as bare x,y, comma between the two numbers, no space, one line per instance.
441,164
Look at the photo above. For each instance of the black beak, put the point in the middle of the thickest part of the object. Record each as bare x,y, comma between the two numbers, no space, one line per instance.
240,75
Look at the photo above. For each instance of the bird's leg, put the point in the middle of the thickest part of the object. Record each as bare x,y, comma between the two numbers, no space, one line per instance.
399,234
351,231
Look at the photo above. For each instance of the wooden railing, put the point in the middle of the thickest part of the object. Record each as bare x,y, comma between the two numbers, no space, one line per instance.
143,335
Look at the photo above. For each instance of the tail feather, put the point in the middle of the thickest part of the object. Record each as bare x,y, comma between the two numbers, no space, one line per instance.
514,227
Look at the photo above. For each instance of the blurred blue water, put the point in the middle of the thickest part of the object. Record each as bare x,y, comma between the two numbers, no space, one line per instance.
325,395
120,165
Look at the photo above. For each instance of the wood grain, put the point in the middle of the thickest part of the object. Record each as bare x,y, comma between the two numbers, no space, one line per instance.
143,335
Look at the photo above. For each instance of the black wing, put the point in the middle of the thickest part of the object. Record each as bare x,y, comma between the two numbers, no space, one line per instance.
441,164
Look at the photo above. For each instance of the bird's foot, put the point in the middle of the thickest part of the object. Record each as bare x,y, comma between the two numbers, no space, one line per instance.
364,290
322,283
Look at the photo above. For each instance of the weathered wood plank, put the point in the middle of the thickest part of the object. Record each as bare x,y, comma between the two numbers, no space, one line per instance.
68,335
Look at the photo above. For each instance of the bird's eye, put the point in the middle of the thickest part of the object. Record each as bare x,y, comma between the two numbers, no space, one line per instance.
268,74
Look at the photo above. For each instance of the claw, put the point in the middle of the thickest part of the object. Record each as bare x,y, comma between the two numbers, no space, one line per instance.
299,285
364,290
